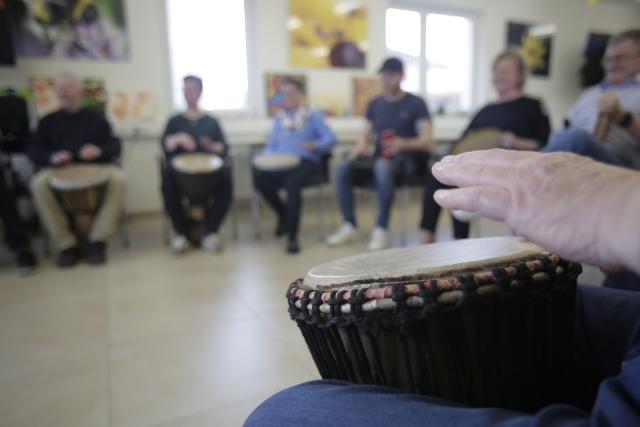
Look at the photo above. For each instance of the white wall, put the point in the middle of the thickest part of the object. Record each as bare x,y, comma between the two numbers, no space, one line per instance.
148,69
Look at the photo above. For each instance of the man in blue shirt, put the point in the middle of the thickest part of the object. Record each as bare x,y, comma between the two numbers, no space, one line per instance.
399,124
572,217
299,131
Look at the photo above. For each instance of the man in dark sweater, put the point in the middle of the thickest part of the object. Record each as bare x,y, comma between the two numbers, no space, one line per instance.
76,135
194,131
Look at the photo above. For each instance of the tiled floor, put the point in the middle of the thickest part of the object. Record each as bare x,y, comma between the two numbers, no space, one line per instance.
155,341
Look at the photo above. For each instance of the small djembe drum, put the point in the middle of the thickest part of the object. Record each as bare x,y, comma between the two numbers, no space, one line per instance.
80,189
482,322
275,162
198,176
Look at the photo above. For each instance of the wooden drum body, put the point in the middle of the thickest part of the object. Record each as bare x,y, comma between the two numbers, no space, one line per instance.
198,174
483,322
80,189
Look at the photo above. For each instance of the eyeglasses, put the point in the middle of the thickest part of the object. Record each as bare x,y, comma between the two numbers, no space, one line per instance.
617,58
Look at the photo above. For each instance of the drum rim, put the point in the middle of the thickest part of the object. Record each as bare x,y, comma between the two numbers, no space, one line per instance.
64,184
295,161
218,162
424,295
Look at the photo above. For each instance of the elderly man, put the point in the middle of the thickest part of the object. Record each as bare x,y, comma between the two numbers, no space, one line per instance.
399,123
75,134
617,98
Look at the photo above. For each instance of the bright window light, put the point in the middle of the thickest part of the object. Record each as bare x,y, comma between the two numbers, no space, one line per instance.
403,41
207,38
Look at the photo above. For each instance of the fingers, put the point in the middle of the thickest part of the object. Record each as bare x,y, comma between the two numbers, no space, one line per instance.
491,157
465,175
491,202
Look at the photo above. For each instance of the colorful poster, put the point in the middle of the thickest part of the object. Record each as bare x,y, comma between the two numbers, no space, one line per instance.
131,107
273,94
331,103
327,33
364,90
45,100
534,43
81,29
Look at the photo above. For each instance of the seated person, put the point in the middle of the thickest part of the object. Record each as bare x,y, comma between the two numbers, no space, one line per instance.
302,132
618,99
194,131
572,218
75,134
400,119
522,119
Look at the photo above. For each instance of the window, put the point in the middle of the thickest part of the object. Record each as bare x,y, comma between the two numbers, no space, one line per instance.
437,51
207,38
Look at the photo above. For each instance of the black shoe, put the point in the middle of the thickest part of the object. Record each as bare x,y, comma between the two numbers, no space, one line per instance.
25,262
68,257
292,246
281,229
97,253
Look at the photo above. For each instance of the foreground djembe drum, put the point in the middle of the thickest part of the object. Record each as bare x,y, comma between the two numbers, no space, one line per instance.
80,189
483,322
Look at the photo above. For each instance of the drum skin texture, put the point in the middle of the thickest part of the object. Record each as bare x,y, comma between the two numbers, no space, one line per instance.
198,174
482,322
80,187
274,162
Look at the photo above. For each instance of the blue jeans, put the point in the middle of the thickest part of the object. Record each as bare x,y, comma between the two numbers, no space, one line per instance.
607,334
581,142
384,172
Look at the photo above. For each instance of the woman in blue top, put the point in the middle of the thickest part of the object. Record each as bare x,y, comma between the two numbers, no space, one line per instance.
302,132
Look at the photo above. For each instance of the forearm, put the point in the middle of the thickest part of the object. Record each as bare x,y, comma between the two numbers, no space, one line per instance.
419,143
525,144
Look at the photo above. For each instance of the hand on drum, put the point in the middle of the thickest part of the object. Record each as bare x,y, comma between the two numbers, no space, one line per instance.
89,152
610,105
211,145
61,157
575,207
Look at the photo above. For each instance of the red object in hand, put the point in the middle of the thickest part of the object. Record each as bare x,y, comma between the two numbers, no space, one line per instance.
385,138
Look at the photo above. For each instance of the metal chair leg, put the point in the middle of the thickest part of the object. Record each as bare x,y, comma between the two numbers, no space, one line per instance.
405,214
124,230
255,213
321,213
235,234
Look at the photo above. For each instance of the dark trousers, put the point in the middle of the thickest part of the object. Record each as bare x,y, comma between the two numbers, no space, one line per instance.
292,181
215,207
15,234
431,210
605,336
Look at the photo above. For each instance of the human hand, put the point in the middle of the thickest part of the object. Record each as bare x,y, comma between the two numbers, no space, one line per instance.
186,141
359,150
507,140
89,152
309,146
211,145
609,105
575,207
61,157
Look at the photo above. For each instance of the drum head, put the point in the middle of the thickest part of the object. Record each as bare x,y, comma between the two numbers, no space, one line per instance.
426,261
197,163
483,139
78,176
275,162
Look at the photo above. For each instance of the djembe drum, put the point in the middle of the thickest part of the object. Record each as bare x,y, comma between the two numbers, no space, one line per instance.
275,162
482,322
198,176
80,189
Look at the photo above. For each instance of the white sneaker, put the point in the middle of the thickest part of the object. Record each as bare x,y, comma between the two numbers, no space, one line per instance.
179,244
211,243
345,234
379,239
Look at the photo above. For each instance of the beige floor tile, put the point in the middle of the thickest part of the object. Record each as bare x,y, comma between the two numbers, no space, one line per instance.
59,391
158,379
232,415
